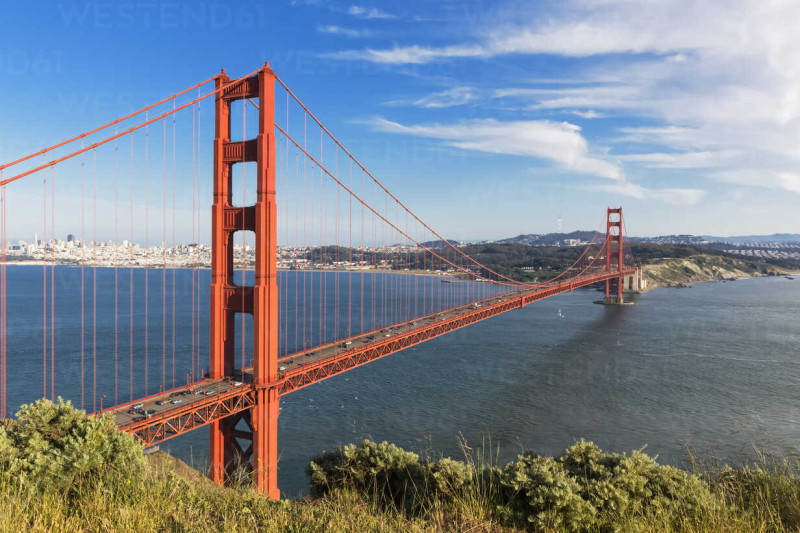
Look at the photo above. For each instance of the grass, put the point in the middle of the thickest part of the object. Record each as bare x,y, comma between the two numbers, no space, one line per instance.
63,471
174,497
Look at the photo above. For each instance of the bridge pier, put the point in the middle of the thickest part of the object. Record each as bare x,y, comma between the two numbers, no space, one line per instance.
614,300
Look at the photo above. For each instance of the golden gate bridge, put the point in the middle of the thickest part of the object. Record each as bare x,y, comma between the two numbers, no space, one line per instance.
331,270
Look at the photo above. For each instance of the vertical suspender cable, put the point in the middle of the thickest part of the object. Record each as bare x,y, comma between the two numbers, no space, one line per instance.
130,285
116,269
297,251
361,295
350,256
323,293
194,238
3,308
164,257
305,265
311,251
174,242
323,256
83,276
197,263
52,285
44,288
146,257
94,284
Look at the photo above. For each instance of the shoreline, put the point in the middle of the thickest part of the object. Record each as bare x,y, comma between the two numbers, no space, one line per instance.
652,280
175,267
689,283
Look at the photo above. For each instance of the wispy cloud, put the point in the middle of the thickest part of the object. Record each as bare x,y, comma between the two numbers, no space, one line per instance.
413,55
456,96
785,180
620,27
716,85
669,196
558,142
451,97
589,113
681,160
345,32
369,13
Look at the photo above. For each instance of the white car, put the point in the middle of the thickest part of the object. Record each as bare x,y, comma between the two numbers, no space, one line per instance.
138,406
237,383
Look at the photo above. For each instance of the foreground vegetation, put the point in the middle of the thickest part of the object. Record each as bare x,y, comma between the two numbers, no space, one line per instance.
61,471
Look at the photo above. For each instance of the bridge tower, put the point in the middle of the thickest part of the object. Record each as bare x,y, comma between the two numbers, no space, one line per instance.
614,251
226,453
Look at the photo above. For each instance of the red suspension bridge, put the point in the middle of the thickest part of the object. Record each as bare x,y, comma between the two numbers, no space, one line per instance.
316,268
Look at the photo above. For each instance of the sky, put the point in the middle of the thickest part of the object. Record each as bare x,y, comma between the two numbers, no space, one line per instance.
487,118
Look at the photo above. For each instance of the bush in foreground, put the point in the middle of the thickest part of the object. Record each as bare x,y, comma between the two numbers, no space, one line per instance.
54,447
584,489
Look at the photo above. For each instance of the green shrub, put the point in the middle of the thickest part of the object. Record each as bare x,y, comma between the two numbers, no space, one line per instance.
392,474
586,488
538,491
583,489
56,447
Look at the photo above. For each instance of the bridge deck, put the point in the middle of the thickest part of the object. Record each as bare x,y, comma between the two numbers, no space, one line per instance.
161,416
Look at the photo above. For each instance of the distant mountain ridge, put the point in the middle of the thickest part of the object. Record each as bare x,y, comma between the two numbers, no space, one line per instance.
555,239
775,237
549,239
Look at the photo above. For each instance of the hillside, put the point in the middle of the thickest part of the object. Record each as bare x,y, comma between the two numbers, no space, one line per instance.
664,264
548,239
677,272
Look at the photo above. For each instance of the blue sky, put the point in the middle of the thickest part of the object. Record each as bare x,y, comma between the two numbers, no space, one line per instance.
488,118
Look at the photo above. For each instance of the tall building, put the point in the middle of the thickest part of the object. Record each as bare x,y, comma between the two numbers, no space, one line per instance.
70,237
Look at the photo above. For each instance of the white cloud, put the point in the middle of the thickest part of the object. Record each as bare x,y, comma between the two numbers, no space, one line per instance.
669,196
368,13
588,114
559,142
717,83
773,179
413,55
643,26
680,160
346,32
451,97
457,96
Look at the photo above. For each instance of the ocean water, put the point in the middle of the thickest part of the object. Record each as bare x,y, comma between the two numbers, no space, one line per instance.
714,368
